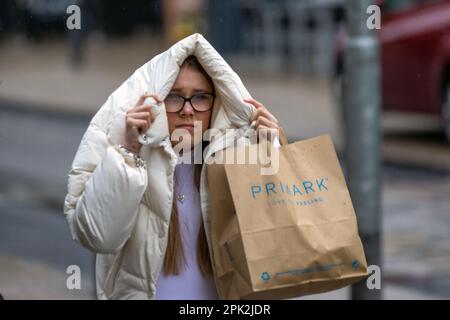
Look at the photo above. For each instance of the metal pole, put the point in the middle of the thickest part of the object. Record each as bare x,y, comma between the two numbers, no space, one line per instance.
362,108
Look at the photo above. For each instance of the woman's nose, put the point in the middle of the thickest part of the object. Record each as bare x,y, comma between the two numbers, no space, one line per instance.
187,109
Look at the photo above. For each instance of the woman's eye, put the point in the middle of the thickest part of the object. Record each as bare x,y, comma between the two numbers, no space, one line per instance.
201,96
173,97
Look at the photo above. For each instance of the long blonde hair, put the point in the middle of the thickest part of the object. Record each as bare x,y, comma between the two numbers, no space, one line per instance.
175,257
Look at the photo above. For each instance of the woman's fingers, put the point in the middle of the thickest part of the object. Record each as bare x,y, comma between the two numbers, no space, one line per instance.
264,113
255,103
263,128
261,121
261,110
266,124
266,132
141,115
145,96
141,125
137,121
139,109
266,128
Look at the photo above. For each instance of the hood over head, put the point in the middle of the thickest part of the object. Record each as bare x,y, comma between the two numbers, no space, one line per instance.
158,76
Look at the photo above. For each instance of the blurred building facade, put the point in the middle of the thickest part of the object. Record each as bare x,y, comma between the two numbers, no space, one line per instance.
292,36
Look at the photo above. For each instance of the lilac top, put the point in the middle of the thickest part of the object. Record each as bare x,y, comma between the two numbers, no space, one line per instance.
190,283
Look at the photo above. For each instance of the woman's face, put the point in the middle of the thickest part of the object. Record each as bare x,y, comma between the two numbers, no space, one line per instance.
188,83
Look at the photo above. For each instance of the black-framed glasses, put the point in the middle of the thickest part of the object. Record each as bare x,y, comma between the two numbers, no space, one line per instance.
200,102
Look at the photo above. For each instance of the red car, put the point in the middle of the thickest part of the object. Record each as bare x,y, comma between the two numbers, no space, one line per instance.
415,57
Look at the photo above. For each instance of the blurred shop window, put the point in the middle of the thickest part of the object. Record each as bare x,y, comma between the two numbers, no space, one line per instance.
47,8
182,18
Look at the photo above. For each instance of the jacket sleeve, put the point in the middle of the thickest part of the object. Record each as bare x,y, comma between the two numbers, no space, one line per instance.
105,188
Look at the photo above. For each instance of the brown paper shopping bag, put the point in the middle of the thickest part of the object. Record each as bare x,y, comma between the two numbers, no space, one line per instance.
287,234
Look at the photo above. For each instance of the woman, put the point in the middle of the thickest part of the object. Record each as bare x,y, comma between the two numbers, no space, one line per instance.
143,208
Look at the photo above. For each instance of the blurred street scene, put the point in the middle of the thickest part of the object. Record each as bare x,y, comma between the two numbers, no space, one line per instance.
289,56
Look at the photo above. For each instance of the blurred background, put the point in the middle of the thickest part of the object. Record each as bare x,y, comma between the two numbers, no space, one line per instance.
290,55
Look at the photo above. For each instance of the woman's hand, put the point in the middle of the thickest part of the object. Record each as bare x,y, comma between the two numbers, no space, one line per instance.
138,120
266,121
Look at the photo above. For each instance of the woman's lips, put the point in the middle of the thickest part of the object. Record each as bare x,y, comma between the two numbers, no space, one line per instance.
186,126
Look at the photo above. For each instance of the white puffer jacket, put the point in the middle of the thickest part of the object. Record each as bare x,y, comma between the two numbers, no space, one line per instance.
121,210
